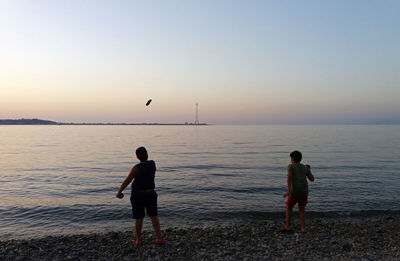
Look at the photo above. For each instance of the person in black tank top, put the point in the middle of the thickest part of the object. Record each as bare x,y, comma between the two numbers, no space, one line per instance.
143,195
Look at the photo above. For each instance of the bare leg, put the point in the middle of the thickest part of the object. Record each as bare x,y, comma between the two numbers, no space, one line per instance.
302,214
156,225
138,230
289,214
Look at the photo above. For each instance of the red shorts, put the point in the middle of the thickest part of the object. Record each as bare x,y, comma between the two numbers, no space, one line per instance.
292,201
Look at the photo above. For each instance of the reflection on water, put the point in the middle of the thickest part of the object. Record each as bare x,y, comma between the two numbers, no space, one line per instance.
62,179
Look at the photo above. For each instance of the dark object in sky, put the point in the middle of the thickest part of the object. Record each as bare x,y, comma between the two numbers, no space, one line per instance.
148,102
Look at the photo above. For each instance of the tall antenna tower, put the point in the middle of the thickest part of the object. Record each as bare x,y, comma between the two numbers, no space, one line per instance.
196,121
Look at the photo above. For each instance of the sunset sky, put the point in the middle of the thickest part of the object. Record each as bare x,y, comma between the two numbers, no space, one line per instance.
244,62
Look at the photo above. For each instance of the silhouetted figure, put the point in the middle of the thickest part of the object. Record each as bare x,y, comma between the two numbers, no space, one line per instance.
297,175
143,195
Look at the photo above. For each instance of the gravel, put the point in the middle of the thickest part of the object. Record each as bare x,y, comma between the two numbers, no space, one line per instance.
327,239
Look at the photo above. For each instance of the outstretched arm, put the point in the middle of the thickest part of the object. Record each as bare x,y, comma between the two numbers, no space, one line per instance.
127,180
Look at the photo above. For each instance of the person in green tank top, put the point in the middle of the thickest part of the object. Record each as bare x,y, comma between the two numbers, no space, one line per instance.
297,175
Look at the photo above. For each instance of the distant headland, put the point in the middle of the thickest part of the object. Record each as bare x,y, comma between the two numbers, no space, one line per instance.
47,122
27,122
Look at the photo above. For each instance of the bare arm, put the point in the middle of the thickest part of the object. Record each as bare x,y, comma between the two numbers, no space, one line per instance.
310,176
127,180
289,184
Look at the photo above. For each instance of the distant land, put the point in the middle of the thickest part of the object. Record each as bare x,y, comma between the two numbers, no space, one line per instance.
27,122
46,122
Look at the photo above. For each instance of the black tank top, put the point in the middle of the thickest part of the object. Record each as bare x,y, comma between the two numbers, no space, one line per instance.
144,178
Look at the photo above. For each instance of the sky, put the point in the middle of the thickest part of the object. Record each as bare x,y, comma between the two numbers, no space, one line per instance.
243,62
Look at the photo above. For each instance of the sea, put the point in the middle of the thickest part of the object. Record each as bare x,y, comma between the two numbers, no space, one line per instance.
62,180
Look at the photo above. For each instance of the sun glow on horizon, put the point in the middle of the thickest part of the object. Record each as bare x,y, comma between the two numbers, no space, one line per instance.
247,63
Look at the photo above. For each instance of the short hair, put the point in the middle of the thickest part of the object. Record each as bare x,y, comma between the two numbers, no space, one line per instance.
141,153
296,156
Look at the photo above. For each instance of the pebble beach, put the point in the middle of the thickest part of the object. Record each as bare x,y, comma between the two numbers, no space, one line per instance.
360,238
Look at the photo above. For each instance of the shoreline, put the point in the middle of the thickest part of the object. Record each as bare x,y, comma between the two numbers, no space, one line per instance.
167,222
347,238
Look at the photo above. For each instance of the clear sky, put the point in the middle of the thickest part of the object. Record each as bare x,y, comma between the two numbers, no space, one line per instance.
244,62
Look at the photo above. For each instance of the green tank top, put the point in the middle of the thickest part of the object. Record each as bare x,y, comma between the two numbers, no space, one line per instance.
299,180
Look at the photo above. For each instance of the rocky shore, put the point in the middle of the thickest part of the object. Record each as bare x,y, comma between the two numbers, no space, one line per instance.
326,239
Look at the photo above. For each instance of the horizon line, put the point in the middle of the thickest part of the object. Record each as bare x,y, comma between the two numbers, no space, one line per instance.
36,121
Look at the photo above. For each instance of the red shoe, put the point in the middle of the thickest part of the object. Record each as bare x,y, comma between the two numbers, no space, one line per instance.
138,243
161,242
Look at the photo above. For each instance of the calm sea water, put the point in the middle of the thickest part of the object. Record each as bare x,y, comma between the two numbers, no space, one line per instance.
63,179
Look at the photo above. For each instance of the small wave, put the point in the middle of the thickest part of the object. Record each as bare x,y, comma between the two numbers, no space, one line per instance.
222,174
65,214
224,167
348,167
246,190
261,215
65,169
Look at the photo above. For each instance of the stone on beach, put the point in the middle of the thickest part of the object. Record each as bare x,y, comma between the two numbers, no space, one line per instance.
327,239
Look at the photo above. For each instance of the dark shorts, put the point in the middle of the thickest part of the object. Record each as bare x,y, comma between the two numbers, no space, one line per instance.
144,200
291,202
